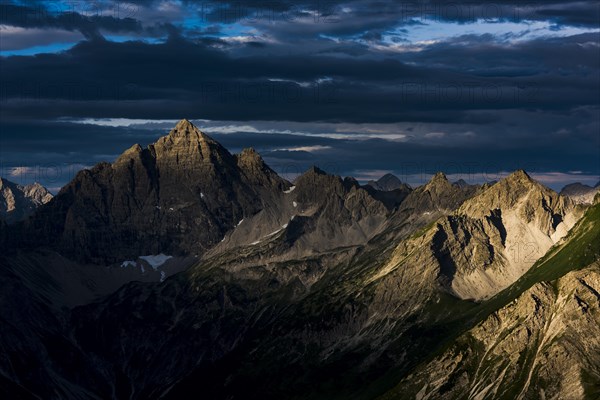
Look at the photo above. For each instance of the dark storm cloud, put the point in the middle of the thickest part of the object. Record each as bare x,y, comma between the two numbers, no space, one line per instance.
99,78
345,15
63,16
482,101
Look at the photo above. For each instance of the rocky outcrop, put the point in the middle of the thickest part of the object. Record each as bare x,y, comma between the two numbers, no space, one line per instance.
495,237
19,202
536,339
179,195
490,241
543,345
389,190
579,193
437,195
319,213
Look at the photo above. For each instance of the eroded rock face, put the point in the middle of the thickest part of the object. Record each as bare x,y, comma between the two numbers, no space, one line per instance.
544,344
486,244
336,211
319,213
313,290
495,237
179,195
438,196
19,202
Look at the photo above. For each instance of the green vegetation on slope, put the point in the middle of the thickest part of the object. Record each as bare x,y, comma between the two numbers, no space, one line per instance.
579,249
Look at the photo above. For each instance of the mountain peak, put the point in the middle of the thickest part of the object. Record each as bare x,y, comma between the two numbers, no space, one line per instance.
389,182
517,188
249,153
250,158
580,193
186,144
184,124
388,177
437,180
129,153
519,176
315,170
189,132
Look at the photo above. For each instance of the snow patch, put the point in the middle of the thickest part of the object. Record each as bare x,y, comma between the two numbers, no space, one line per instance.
295,204
143,269
201,195
156,260
271,234
290,190
158,207
239,223
163,276
274,233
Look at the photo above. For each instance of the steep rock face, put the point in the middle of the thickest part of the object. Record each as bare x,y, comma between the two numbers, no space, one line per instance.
309,322
320,212
258,321
179,195
489,241
436,198
544,344
389,190
537,339
19,202
335,211
496,236
579,193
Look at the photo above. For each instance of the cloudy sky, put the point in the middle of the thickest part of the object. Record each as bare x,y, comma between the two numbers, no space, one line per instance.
361,88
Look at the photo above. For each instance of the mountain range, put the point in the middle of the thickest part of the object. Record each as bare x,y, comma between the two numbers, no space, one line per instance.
184,270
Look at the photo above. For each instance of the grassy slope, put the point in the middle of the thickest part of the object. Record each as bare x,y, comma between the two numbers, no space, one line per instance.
580,248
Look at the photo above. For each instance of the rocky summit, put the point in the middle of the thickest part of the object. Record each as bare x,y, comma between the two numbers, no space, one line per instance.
178,195
18,202
181,268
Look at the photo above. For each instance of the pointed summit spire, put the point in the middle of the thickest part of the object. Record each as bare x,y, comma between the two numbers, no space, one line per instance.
131,153
315,170
440,176
250,158
189,131
518,178
185,124
520,174
188,144
438,180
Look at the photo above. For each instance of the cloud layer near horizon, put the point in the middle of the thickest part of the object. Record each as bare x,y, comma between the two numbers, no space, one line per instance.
359,86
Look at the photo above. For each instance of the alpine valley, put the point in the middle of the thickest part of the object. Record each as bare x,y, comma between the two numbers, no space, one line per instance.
182,271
